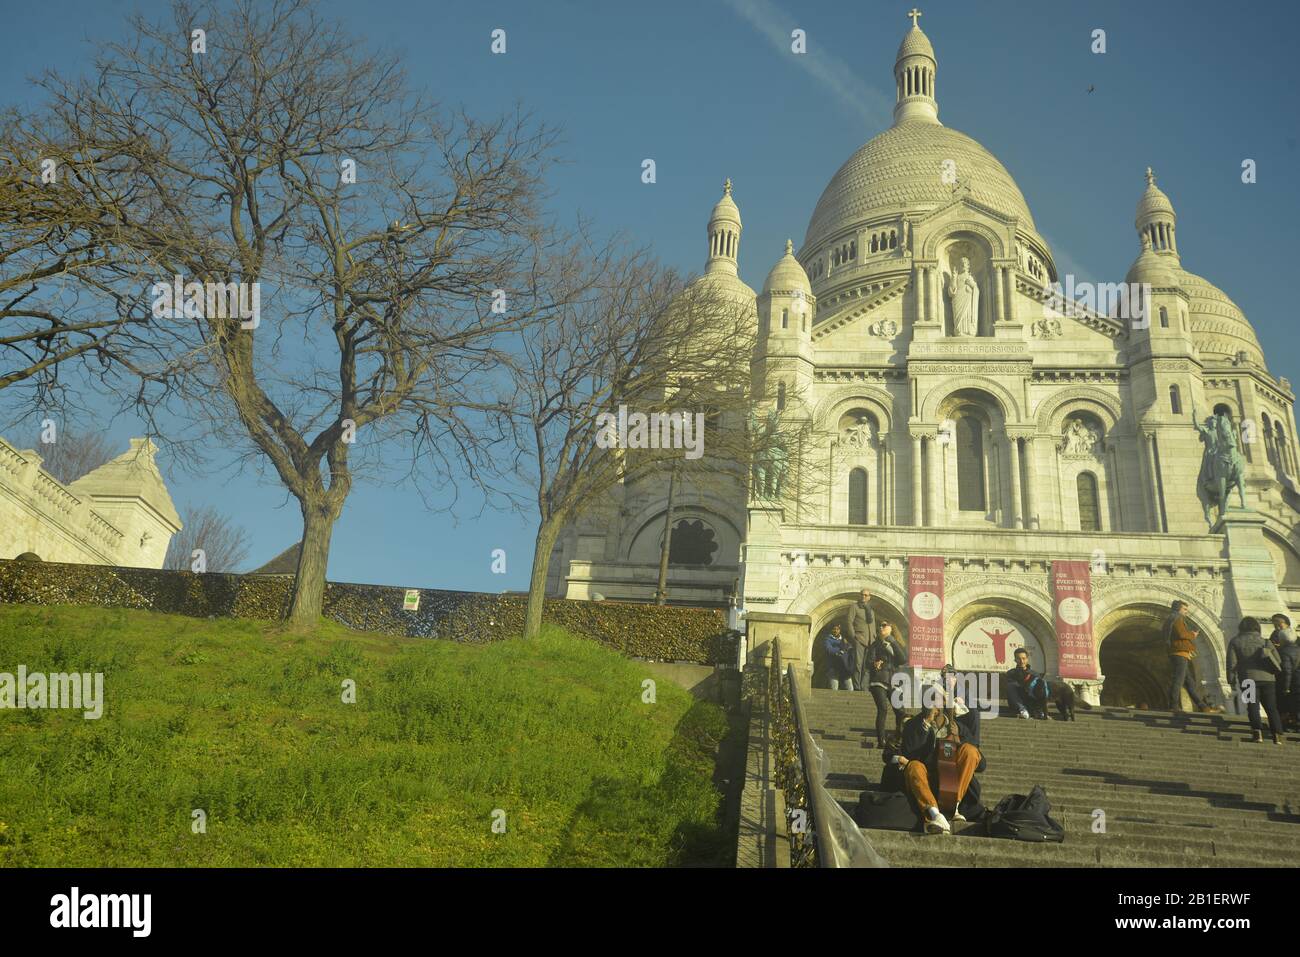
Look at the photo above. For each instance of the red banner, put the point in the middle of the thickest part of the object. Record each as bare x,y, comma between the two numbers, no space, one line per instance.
925,612
1072,591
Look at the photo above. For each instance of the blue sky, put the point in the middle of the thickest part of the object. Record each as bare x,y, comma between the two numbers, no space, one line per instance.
709,89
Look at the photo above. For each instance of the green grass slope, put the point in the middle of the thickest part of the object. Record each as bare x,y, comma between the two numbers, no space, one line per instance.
246,722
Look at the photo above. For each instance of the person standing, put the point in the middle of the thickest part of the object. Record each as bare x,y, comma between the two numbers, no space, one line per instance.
1288,682
862,628
1253,667
1180,640
884,657
839,659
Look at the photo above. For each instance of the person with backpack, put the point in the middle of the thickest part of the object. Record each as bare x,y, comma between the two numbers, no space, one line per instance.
1254,666
1027,692
912,766
1288,682
1180,640
839,659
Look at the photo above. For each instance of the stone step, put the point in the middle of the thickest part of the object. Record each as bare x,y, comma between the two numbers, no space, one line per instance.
900,849
1173,814
1107,797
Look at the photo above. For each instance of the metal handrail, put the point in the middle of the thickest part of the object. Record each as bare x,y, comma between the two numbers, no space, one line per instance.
817,796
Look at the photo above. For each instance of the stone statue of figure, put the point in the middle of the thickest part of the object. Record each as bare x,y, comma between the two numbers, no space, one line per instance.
771,457
1222,467
964,293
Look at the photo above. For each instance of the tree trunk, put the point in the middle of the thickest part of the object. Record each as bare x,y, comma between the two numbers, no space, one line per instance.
547,533
313,557
661,592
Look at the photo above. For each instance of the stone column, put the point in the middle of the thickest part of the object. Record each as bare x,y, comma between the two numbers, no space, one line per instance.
917,510
997,312
1007,293
937,505
1016,519
923,277
1149,440
1031,483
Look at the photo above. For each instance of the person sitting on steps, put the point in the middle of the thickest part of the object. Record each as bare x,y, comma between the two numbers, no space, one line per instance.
1027,692
912,766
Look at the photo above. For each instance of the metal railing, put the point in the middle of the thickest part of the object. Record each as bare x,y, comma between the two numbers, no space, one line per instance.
839,841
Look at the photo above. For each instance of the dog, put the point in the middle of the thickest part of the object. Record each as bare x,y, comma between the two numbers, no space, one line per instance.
1065,698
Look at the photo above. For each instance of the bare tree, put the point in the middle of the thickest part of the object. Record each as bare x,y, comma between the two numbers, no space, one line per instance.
629,340
65,203
73,454
382,236
223,543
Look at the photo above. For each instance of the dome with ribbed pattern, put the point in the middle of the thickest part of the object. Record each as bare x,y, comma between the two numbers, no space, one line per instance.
902,170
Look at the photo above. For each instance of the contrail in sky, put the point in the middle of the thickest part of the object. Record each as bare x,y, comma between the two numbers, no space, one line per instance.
872,105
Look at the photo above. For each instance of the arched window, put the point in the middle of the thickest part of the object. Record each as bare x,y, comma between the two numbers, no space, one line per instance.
858,497
1089,510
970,464
1175,401
785,318
1164,318
1283,450
1270,450
893,239
780,397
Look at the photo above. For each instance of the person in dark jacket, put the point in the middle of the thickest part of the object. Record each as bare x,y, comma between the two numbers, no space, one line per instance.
1254,666
862,629
1288,682
839,659
1027,692
885,657
912,767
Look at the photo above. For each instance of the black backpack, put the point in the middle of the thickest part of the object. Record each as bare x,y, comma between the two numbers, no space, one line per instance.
1024,818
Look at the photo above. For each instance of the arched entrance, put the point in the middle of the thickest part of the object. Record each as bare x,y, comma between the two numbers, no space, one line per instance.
839,610
1134,657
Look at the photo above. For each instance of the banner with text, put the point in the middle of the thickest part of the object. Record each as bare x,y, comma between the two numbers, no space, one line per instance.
1072,594
925,611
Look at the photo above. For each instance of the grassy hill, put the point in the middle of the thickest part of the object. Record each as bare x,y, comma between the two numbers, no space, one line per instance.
245,721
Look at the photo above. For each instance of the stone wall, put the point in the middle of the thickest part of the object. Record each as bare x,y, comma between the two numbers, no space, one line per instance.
644,631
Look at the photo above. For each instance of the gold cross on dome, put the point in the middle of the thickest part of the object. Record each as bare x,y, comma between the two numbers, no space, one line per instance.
914,13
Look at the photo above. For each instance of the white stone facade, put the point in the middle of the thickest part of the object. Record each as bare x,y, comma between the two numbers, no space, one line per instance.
1049,433
118,514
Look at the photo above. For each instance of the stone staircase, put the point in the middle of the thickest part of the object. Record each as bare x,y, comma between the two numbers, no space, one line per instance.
1177,790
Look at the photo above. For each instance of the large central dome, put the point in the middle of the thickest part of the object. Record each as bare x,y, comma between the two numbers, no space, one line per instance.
902,170
905,169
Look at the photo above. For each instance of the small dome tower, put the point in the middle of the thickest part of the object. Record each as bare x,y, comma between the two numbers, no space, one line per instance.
724,234
914,72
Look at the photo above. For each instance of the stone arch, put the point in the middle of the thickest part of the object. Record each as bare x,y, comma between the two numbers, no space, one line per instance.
829,596
1113,607
1010,408
1052,412
831,407
1132,653
982,596
715,508
994,240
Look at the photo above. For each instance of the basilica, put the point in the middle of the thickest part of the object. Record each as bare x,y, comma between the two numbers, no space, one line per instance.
1005,466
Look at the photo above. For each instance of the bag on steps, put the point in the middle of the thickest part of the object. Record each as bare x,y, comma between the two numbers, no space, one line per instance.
885,810
1025,818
